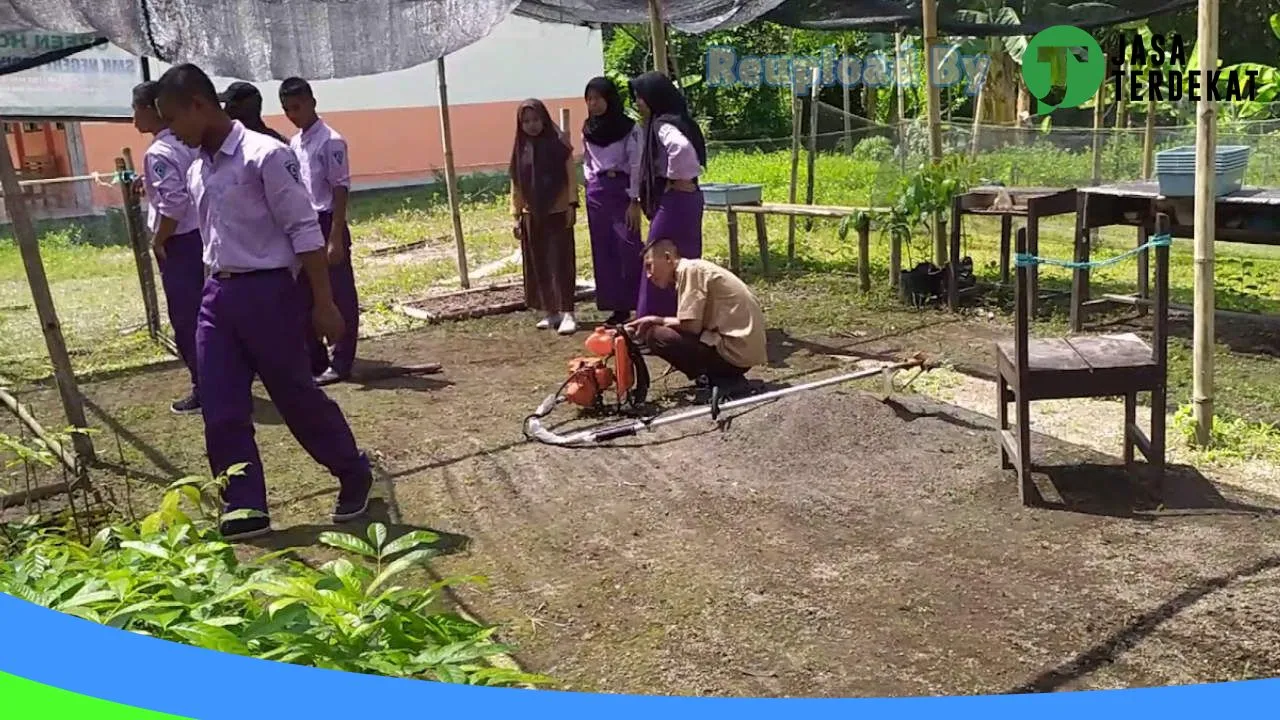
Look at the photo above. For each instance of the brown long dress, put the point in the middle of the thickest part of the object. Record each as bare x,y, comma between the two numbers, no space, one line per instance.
548,248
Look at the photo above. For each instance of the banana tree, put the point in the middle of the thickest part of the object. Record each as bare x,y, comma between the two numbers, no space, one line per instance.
1266,85
997,98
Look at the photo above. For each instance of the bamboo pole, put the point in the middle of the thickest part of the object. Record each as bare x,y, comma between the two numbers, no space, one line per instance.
1149,139
138,243
24,416
902,98
658,33
1099,112
848,111
1206,142
24,234
796,108
929,12
814,86
451,176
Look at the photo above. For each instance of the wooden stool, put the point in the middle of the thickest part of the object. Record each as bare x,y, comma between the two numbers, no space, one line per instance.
1084,367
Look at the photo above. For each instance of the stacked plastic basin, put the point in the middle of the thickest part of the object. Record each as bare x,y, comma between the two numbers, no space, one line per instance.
1176,170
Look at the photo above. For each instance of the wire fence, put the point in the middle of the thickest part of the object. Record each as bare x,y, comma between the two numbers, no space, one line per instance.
83,235
1056,156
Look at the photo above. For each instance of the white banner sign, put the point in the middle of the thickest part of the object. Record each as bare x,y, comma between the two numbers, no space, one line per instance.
93,83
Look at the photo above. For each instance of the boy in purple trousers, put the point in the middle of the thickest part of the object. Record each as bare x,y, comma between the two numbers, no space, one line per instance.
326,173
175,232
258,229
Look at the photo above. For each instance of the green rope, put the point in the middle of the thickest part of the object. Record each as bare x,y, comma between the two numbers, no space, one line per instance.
1026,260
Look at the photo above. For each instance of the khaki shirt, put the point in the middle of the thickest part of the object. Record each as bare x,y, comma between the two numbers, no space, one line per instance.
720,307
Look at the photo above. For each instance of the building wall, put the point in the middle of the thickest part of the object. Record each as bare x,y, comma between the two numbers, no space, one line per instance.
392,120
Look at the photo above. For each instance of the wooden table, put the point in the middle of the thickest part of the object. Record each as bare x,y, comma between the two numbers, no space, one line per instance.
1251,215
761,210
1032,203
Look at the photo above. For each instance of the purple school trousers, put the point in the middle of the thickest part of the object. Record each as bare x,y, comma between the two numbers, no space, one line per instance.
342,280
252,323
182,276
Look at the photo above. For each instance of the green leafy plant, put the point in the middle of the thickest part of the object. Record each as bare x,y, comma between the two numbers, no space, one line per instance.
928,191
173,577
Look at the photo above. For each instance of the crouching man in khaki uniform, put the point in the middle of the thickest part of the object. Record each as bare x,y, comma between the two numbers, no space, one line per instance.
718,333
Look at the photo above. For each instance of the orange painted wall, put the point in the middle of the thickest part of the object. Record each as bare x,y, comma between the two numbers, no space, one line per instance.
388,145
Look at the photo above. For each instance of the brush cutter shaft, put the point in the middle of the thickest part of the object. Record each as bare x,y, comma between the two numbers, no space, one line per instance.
631,427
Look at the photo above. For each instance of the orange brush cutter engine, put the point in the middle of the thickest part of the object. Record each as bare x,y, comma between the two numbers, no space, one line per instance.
590,377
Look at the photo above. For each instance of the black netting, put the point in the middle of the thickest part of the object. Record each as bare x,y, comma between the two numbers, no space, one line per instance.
967,17
319,39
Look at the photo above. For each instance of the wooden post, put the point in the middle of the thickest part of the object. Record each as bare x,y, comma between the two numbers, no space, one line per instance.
658,32
1205,223
814,86
24,234
138,243
796,108
451,176
564,120
929,11
1149,139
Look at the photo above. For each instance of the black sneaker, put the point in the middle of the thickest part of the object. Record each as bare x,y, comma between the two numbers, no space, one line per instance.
245,528
353,501
618,319
328,377
186,406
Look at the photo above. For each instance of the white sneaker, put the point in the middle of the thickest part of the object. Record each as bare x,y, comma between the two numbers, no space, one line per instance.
548,321
567,325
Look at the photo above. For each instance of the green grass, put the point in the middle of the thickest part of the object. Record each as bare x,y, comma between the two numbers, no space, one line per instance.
95,285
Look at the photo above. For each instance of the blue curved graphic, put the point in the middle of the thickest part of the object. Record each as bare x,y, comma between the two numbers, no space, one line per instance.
82,657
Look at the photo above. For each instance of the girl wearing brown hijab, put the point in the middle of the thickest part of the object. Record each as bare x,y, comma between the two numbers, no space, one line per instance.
544,203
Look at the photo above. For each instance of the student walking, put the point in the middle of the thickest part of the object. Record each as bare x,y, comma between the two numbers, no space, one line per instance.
544,203
672,155
611,143
326,173
258,229
243,102
175,232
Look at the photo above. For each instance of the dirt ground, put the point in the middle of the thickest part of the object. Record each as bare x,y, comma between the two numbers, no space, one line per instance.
825,544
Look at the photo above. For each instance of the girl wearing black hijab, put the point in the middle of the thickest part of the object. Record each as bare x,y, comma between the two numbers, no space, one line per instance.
544,202
673,153
611,143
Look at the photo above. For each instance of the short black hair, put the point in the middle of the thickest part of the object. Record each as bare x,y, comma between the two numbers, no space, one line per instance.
186,82
296,87
145,93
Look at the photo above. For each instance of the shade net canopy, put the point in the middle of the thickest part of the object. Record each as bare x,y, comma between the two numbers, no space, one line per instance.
968,17
322,39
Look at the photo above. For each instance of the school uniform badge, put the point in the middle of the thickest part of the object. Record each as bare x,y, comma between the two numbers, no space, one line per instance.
292,167
337,156
159,168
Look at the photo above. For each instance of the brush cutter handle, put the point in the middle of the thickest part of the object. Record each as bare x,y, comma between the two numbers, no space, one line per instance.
614,433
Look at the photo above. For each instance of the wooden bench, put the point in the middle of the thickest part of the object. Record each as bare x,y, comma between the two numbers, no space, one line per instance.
1083,367
761,210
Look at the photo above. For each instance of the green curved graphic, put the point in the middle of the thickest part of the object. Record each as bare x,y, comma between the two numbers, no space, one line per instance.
21,699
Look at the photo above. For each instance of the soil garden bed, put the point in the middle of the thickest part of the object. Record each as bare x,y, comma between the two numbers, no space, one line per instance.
825,544
496,299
